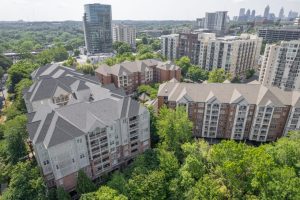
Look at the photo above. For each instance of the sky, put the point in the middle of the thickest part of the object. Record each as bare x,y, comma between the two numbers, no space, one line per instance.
60,10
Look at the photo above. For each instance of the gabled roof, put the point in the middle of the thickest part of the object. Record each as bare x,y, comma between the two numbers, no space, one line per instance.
230,93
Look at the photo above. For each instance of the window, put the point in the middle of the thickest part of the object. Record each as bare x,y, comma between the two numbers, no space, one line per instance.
82,156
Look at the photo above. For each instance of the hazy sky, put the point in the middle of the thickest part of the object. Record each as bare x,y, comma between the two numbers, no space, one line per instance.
48,10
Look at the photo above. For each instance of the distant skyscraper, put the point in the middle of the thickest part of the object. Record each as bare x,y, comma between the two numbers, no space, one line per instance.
253,14
97,28
242,12
248,13
281,13
267,11
292,15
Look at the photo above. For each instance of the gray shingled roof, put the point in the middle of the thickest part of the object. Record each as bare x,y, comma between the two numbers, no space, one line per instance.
252,93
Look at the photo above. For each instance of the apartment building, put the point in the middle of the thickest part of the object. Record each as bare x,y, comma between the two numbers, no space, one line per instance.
216,21
234,54
130,75
97,28
272,35
189,46
235,111
169,45
281,64
123,33
75,124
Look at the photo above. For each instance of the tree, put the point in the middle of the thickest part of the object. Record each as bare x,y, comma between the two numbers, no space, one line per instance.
19,71
122,47
19,100
86,68
174,129
250,73
168,163
5,62
11,112
184,63
104,193
14,134
118,182
61,194
84,183
71,62
25,183
196,73
218,76
76,52
208,188
147,186
1,73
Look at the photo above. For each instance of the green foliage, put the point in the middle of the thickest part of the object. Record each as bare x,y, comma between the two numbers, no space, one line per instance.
184,63
196,73
71,62
84,183
61,194
118,182
150,90
122,47
56,54
218,76
174,129
76,52
250,73
153,130
5,62
86,68
19,71
104,193
19,102
1,73
25,184
147,186
15,134
120,58
11,112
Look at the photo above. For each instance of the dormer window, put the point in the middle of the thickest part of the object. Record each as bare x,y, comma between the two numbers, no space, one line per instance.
61,99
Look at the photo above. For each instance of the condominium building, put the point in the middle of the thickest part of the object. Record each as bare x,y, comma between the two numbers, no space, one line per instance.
215,21
234,54
130,75
234,111
123,33
169,46
75,124
97,28
281,64
272,35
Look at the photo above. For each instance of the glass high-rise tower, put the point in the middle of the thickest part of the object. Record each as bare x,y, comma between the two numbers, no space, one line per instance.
97,28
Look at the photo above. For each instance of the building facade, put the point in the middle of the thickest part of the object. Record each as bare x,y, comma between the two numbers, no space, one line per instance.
272,35
280,67
130,75
75,124
97,28
123,33
234,111
169,46
216,21
234,54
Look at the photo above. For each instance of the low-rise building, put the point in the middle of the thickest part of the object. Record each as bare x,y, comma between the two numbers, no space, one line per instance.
130,75
234,111
75,124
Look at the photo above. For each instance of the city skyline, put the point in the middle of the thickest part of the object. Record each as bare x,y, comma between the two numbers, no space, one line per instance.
38,10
